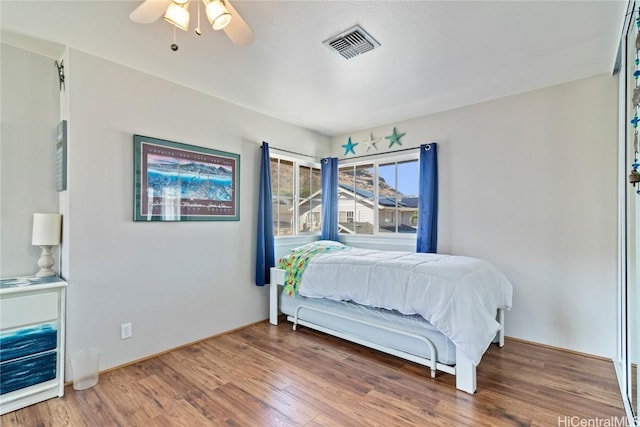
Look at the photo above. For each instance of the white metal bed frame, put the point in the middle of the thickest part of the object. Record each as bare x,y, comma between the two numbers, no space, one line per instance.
464,370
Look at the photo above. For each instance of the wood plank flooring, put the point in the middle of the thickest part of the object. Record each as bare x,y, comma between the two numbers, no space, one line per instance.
265,375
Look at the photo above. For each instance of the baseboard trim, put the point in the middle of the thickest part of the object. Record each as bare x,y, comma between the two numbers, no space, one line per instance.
565,350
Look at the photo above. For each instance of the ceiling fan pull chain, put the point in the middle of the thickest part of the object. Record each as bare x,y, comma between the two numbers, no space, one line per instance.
174,46
198,30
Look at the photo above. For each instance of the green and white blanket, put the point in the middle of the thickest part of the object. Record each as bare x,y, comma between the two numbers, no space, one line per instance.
297,261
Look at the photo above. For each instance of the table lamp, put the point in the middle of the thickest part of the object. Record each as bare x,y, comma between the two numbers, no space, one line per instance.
46,233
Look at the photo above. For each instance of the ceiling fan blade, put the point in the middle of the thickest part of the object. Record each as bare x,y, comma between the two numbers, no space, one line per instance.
238,30
149,11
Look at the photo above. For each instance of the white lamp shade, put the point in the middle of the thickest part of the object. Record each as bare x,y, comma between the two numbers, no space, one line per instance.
217,13
46,229
178,15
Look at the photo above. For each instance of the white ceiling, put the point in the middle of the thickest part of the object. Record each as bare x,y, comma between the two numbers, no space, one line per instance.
434,55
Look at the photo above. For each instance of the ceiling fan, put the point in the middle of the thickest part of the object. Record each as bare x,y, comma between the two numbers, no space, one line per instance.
220,13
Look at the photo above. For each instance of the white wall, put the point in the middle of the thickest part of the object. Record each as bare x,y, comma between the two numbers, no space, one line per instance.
30,115
529,182
176,282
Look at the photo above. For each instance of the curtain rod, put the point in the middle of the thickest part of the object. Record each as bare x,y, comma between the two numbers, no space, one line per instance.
380,154
293,152
345,158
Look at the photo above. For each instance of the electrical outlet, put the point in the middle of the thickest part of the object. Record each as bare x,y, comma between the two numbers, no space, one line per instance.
125,331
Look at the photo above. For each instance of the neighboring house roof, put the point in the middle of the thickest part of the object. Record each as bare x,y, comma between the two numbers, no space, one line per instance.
383,201
410,202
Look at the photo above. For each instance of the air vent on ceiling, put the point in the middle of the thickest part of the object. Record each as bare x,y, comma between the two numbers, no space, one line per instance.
353,42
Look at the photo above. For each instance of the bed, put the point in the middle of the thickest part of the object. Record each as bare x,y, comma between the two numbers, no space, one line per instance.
440,311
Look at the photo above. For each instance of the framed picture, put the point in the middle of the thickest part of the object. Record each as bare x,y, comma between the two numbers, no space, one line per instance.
181,182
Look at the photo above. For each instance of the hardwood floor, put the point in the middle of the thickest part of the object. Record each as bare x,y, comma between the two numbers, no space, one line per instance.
265,375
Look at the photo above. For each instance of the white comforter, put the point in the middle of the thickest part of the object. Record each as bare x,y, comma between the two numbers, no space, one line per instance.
458,295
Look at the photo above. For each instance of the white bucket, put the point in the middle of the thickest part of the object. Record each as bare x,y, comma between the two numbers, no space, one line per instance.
84,364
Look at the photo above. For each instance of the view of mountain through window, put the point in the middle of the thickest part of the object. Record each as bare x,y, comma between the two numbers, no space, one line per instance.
365,205
310,202
395,210
282,188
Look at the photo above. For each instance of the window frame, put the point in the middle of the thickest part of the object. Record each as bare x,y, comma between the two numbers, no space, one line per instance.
376,161
297,163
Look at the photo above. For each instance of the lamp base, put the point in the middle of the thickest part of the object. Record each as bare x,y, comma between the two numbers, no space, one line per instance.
45,262
45,272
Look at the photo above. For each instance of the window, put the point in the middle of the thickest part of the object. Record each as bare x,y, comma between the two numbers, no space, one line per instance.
296,188
282,186
356,198
398,196
374,197
310,199
379,197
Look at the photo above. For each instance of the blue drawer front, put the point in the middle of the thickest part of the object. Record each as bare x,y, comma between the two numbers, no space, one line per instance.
21,373
26,341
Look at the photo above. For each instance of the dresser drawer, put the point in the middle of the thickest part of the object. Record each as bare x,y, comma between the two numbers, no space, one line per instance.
26,341
20,373
22,310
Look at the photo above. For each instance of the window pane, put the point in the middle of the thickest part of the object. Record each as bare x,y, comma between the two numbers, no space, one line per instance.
356,202
387,201
398,203
286,178
274,175
346,199
316,180
283,216
365,197
282,193
304,178
316,200
408,180
309,207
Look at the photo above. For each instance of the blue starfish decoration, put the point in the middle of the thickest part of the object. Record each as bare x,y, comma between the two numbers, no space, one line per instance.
394,138
349,146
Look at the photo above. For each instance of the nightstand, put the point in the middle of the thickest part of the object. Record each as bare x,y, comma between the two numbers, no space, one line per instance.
32,312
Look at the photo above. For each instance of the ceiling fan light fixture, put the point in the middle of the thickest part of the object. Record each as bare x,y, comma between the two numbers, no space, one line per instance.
178,15
217,13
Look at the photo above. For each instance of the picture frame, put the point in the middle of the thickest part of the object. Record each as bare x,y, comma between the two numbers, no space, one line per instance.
181,182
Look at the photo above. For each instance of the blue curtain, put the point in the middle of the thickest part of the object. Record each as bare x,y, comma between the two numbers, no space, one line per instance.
428,199
329,169
265,247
